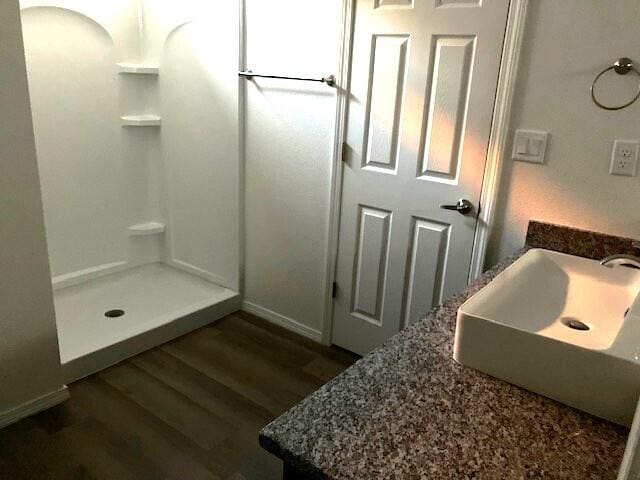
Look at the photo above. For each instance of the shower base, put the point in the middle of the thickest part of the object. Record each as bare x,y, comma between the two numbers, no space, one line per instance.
159,303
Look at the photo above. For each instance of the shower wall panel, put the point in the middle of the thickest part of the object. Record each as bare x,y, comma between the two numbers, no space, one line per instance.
199,91
101,180
74,97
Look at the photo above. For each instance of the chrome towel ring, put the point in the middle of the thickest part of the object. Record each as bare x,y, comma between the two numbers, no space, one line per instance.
622,66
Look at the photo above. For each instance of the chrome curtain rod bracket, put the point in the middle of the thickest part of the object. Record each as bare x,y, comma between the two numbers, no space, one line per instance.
330,80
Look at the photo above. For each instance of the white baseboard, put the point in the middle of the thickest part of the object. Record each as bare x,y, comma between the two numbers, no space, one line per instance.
282,321
34,406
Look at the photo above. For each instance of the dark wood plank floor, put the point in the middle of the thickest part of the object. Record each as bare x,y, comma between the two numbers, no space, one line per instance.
190,409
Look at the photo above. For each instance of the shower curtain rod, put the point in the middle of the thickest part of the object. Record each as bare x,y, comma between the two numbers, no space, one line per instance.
330,80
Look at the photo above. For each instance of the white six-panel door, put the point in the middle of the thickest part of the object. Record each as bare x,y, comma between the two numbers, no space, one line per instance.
423,83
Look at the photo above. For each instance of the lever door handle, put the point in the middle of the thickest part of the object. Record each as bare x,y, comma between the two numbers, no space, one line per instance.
463,206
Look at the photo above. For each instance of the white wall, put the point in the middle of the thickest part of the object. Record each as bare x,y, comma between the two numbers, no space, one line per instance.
29,359
289,135
566,44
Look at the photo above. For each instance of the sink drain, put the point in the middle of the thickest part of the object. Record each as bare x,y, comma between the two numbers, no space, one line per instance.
575,324
114,313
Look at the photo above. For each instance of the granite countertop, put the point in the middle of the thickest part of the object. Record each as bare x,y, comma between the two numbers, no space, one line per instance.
407,410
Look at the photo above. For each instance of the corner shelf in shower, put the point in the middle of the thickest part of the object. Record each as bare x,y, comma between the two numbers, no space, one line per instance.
139,68
141,121
148,228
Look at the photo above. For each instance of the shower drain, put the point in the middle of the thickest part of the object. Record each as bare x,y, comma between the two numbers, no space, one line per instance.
575,324
114,313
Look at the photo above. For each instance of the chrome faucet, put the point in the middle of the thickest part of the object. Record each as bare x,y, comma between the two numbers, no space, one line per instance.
623,259
626,260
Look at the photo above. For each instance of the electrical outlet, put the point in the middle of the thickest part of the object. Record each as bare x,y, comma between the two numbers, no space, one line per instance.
624,158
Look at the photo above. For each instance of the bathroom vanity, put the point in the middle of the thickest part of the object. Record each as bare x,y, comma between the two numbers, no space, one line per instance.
409,410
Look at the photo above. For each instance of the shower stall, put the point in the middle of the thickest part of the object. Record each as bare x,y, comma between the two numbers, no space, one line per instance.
135,111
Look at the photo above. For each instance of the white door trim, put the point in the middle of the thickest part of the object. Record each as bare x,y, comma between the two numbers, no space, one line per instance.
242,156
499,133
495,154
342,87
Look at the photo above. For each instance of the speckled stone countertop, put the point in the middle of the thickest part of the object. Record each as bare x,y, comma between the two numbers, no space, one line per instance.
407,410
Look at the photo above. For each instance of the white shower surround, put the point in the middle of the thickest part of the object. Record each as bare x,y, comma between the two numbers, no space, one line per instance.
166,190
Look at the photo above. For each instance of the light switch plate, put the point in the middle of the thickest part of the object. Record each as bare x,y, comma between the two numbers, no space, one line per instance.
624,158
530,146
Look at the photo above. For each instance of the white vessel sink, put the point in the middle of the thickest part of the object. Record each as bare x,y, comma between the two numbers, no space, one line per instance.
519,328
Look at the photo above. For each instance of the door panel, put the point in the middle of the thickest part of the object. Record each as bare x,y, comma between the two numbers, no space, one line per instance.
447,107
387,74
423,81
370,267
457,3
429,245
393,3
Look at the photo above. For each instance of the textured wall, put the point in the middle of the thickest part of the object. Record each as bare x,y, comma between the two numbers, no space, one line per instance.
566,44
289,134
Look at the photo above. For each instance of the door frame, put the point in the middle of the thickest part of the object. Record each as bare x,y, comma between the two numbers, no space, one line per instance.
496,151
